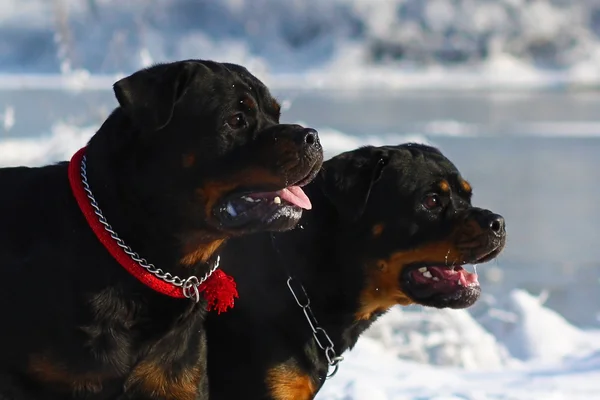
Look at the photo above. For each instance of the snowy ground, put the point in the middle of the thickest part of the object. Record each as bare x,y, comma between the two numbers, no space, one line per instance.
531,354
512,349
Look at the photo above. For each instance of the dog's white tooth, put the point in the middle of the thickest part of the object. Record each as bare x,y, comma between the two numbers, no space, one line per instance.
459,283
435,278
231,210
246,198
277,200
423,269
427,274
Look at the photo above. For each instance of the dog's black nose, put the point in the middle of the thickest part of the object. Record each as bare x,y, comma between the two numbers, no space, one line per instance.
496,224
311,136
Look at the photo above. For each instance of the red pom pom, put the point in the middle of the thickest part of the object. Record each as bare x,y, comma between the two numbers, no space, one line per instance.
220,291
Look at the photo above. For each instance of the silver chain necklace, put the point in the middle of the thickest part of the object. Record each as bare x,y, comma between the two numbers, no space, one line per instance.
319,333
189,286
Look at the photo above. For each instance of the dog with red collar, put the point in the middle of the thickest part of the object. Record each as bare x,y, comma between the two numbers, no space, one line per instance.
110,262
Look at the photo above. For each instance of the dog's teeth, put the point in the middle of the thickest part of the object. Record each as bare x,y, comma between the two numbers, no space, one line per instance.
231,210
435,278
423,269
427,274
250,199
277,200
459,283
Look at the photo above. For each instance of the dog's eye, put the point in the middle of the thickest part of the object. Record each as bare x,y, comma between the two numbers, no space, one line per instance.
432,201
236,121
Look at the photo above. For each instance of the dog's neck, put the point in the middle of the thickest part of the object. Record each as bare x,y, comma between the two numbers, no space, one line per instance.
316,256
134,218
331,273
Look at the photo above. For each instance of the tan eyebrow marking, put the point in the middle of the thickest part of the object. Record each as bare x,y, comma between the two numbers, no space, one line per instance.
249,102
466,186
444,186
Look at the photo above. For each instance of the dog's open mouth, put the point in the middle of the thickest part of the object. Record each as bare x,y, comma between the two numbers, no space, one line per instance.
436,284
443,279
274,210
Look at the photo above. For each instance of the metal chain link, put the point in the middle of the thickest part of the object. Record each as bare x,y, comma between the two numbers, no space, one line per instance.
190,286
319,334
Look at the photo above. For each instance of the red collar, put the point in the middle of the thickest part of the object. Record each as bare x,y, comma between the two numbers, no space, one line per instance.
219,289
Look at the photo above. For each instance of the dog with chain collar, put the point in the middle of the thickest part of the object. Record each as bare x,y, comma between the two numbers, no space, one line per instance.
391,225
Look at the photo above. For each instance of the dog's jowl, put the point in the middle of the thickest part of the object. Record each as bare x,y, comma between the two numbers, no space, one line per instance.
110,261
390,226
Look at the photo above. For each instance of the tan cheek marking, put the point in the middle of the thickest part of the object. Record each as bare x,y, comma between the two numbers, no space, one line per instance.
201,254
288,383
382,291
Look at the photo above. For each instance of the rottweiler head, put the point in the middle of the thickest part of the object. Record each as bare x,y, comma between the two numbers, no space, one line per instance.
409,211
209,145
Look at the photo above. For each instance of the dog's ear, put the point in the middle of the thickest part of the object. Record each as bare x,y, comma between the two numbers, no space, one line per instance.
346,180
149,96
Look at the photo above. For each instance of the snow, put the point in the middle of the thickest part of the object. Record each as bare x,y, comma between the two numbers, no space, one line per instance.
370,373
59,145
448,355
8,118
513,348
388,44
521,336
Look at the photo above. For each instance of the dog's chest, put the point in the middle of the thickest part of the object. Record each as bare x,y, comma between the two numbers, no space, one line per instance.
150,349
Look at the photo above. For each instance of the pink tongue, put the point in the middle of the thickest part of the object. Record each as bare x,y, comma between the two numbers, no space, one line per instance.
296,196
458,274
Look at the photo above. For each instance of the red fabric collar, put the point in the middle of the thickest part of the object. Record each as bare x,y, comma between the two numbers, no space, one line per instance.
219,289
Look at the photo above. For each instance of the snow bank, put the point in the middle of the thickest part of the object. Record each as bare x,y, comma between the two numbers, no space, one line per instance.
535,333
558,361
439,337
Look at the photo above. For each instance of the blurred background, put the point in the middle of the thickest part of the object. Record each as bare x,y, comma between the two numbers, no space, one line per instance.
507,89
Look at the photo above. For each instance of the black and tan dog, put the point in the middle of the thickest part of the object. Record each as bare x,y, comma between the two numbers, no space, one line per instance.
193,155
390,225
